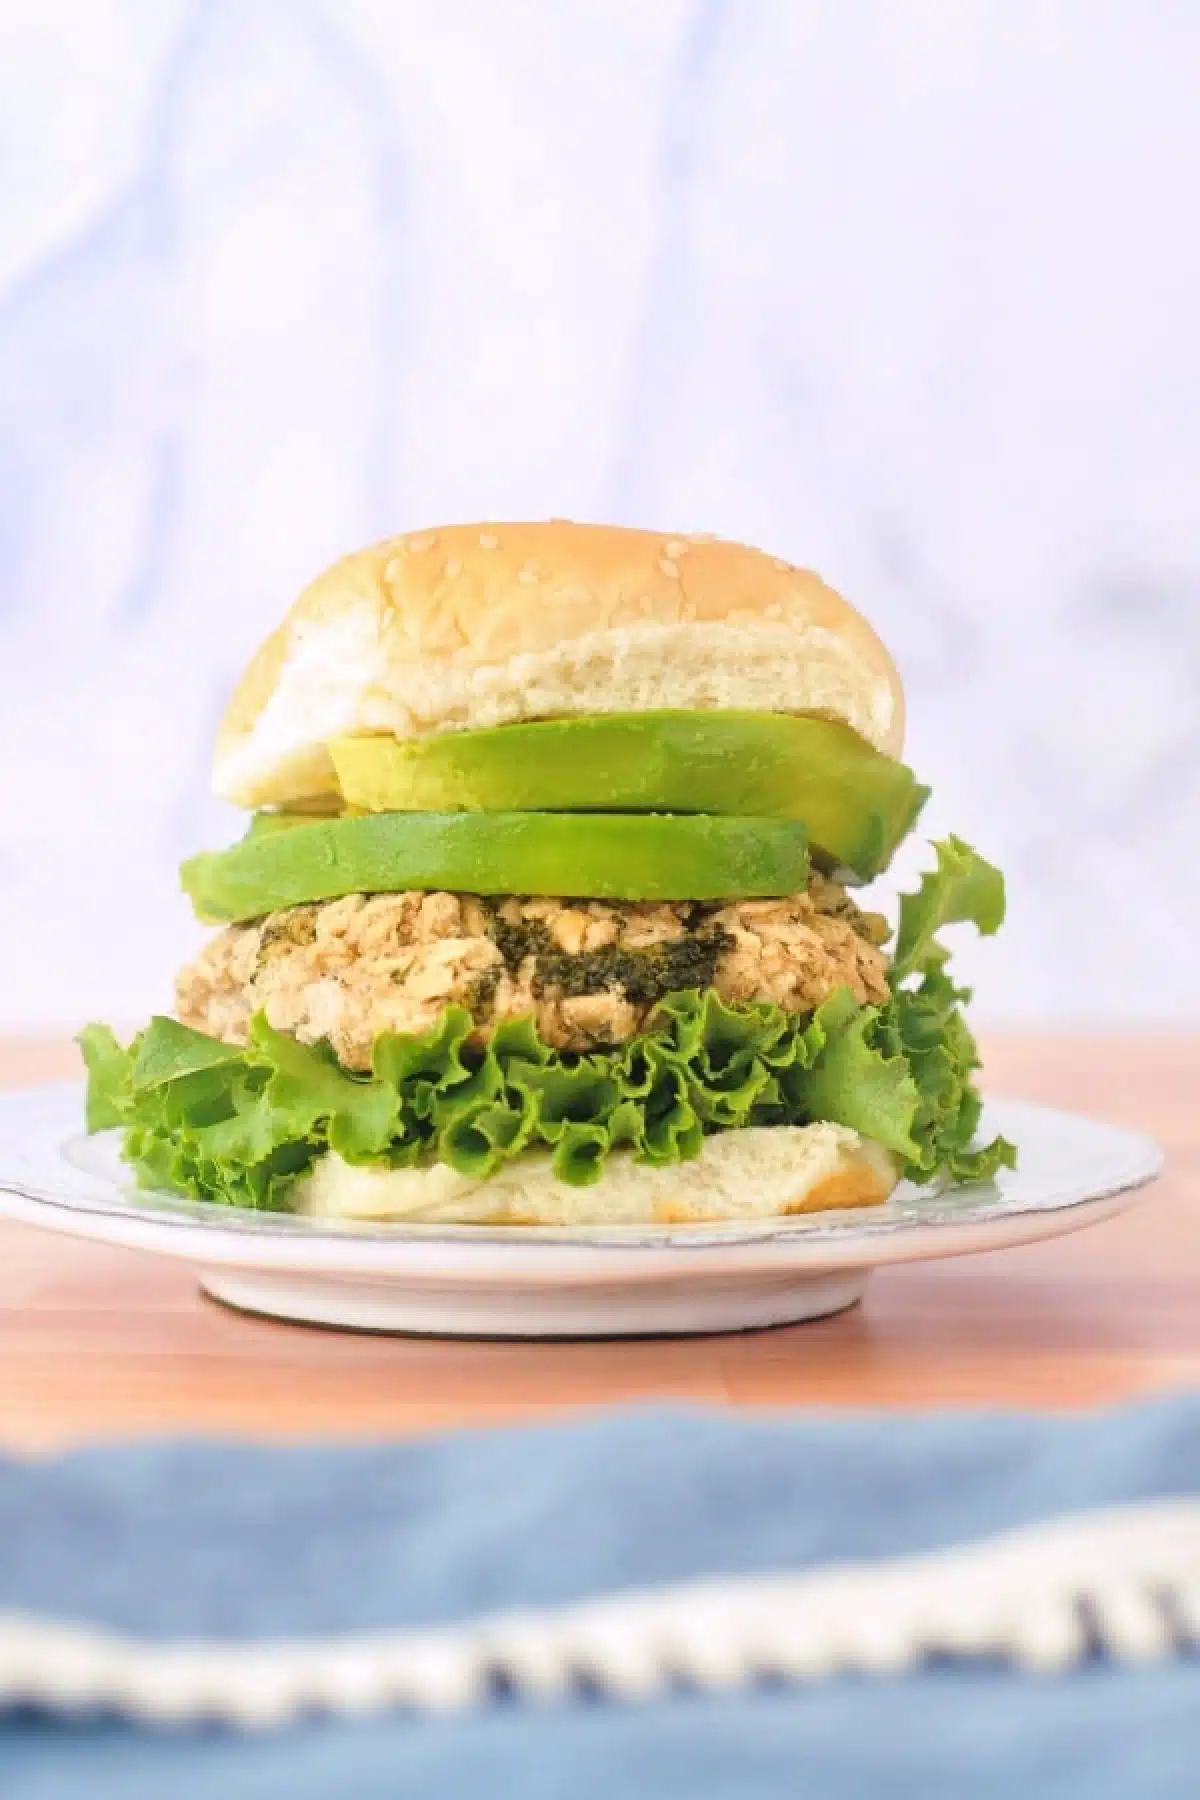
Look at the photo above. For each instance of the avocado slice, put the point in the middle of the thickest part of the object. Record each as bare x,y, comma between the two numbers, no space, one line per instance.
602,856
856,803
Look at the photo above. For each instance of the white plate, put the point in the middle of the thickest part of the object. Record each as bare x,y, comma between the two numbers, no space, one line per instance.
517,1281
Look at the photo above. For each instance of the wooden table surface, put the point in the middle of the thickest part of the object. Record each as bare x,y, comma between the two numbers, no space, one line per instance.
97,1342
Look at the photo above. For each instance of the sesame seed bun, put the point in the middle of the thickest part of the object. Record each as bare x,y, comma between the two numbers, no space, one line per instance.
475,625
760,1172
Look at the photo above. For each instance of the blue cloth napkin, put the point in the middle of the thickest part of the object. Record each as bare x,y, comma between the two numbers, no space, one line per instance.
229,1540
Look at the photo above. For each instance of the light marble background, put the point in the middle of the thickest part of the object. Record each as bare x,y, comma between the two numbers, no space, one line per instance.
905,290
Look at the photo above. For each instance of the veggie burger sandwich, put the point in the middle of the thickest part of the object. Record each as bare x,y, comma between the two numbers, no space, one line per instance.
545,912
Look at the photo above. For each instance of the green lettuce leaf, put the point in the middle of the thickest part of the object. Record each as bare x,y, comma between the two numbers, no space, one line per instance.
856,1080
238,1125
175,1051
924,1023
963,888
108,1069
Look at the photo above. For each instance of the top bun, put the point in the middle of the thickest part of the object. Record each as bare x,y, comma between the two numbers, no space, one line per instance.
475,625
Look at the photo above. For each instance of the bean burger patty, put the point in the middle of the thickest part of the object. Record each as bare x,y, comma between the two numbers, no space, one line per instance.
590,972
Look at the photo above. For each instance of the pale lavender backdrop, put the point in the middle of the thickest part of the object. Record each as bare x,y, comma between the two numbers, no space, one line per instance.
905,290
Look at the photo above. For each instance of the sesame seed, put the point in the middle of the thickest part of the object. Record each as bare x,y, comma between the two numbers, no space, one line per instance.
703,537
488,542
392,570
425,540
454,567
677,547
668,567
777,562
772,612
529,577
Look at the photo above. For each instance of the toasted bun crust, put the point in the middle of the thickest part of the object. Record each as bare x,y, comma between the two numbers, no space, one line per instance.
761,1172
474,625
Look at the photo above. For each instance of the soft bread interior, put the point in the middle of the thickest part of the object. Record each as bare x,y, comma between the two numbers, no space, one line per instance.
486,625
337,681
755,1173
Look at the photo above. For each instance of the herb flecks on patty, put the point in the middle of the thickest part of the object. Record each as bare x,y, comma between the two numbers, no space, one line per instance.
590,972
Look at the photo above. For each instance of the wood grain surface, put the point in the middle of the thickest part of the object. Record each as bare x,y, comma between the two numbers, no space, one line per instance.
98,1342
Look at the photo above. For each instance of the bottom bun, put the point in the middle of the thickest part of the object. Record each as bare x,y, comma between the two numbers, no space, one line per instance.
761,1172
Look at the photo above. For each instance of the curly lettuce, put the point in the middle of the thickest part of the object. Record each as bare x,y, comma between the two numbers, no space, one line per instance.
237,1124
924,1020
962,889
